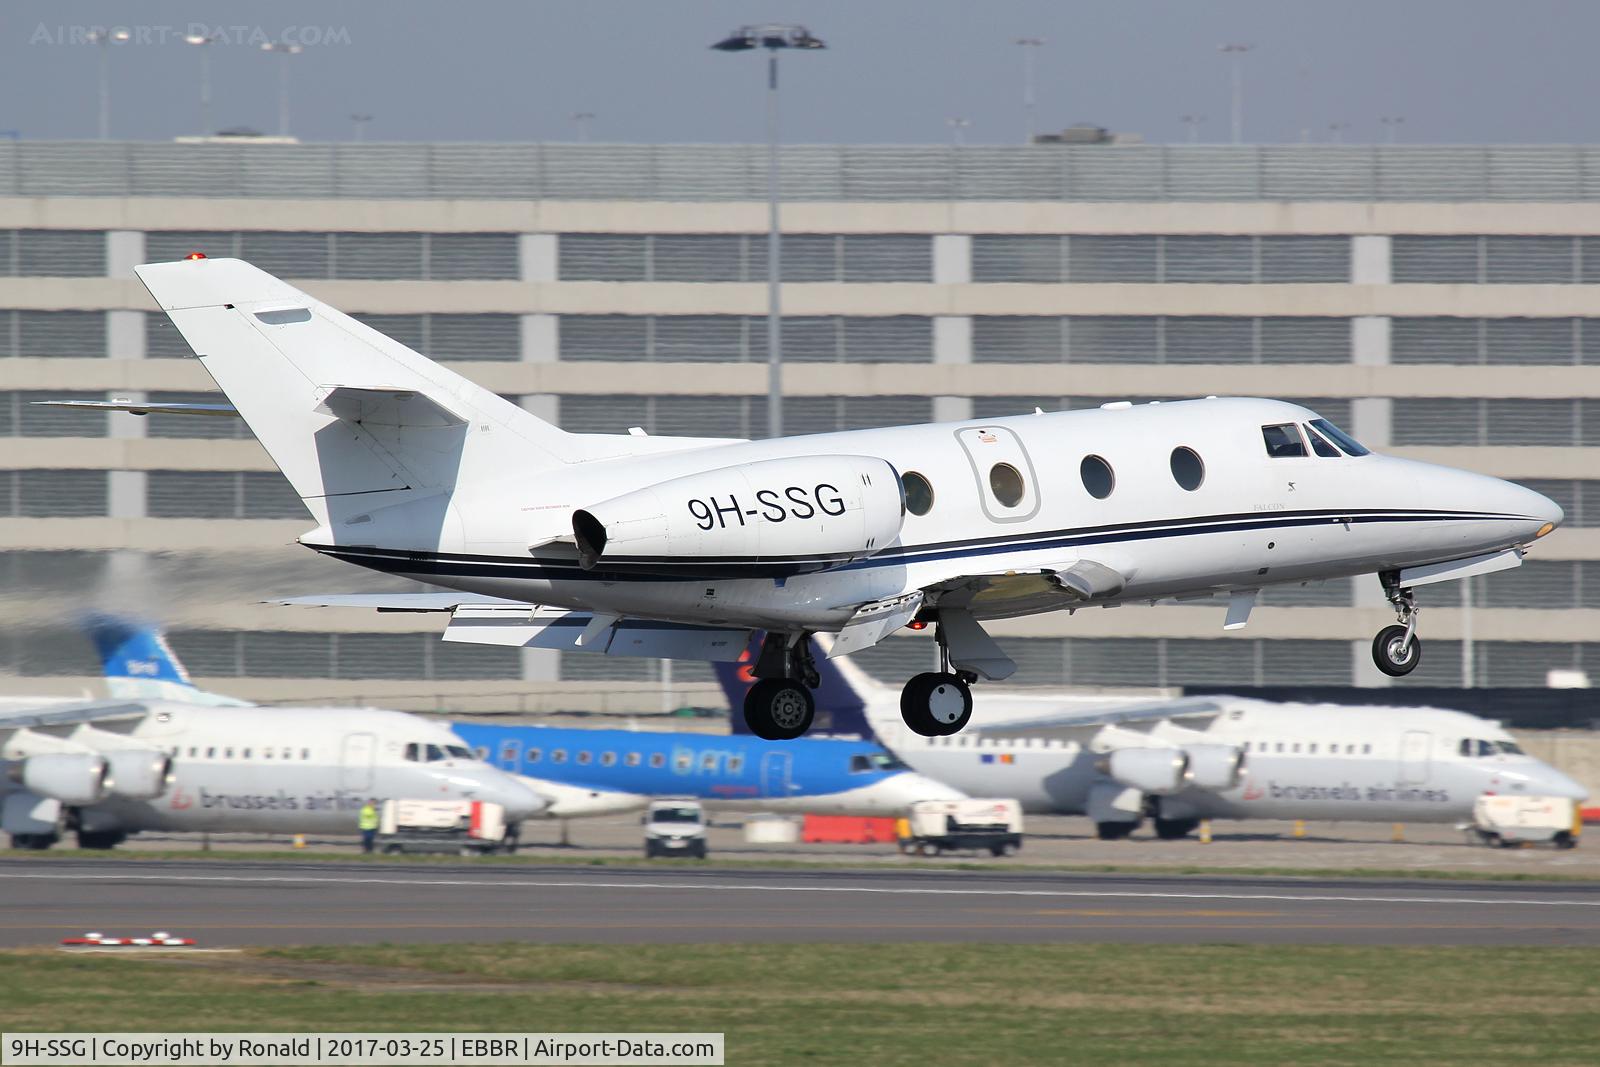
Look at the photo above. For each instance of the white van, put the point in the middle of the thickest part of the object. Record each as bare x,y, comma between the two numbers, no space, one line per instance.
674,828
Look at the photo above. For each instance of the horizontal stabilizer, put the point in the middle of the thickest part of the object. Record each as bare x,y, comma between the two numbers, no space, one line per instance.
577,631
140,408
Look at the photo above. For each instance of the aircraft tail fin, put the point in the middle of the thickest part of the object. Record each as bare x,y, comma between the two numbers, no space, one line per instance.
844,697
140,665
345,412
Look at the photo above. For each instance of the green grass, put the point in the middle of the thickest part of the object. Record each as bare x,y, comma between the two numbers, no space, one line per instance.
880,1004
885,863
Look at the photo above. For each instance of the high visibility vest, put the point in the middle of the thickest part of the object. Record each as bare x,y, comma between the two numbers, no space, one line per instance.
368,820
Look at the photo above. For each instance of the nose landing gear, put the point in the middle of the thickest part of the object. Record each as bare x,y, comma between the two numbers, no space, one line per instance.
1397,649
938,703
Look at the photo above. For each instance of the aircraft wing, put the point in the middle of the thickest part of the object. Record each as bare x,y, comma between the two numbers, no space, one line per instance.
46,715
1192,712
447,601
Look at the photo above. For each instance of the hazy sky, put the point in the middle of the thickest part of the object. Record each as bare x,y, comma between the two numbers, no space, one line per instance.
895,70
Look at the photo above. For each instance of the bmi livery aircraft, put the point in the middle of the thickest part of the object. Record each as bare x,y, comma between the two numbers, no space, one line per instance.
681,547
1180,761
163,755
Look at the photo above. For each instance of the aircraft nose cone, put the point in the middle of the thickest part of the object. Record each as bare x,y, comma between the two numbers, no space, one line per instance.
1540,509
1552,783
519,801
908,788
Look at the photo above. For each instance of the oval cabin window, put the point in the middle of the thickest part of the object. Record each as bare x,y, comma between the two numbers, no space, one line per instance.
1187,468
1006,484
1097,477
919,494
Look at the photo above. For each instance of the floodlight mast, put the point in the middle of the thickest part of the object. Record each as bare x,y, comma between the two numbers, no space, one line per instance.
774,38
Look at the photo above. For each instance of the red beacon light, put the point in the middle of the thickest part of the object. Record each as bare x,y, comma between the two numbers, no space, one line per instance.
195,255
916,624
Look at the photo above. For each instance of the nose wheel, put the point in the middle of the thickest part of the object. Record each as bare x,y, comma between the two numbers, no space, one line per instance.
1397,649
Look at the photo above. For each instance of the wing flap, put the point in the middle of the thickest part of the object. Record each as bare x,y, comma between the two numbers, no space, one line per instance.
581,631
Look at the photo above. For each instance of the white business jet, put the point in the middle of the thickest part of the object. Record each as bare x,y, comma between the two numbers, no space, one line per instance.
680,547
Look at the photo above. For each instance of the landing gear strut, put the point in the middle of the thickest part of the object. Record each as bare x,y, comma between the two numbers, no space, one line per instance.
938,703
779,707
1397,649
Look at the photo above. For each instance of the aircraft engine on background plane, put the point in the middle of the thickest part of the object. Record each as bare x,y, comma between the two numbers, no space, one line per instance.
1215,767
814,512
70,777
1153,771
139,773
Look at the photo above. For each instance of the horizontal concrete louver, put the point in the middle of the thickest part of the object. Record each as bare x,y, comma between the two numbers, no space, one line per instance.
53,334
278,654
711,258
1541,341
221,495
735,338
1482,422
1207,259
367,256
20,418
1160,339
52,253
53,493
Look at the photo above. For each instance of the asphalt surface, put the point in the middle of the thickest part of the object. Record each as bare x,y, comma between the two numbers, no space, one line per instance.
241,902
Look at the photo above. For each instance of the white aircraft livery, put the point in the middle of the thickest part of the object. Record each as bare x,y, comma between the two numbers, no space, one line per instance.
189,760
1178,761
681,547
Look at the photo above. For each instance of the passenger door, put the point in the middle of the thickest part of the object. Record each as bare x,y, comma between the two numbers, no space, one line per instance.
1414,752
775,774
988,447
355,763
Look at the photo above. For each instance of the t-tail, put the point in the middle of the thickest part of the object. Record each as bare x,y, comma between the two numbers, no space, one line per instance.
140,665
356,421
846,695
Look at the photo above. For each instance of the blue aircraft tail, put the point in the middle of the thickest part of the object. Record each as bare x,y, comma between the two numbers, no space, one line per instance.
140,665
841,710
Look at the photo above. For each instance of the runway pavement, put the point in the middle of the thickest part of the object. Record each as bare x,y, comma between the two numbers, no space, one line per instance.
239,902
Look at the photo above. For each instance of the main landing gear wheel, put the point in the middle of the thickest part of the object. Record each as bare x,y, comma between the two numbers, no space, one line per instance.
1394,655
779,709
936,705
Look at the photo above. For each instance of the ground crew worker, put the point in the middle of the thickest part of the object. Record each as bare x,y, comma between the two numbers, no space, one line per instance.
367,821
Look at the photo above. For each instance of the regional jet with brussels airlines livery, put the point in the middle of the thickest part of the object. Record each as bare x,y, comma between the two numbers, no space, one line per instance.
1178,761
164,755
657,546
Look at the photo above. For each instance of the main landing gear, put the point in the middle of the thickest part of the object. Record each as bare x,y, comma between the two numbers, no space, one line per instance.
779,707
1397,649
938,703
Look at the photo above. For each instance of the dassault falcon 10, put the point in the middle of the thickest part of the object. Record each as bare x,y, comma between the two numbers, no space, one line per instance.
665,546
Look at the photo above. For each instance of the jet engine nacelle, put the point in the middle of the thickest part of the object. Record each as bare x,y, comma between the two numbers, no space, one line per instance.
70,777
139,774
1215,767
1156,771
804,513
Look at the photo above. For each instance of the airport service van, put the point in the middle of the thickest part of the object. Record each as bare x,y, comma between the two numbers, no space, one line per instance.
674,828
1512,820
934,826
465,826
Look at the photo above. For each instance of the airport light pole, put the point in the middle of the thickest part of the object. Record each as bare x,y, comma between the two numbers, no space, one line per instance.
1030,47
581,119
958,131
773,38
1194,122
284,50
202,41
103,38
1336,131
358,126
1391,127
1236,52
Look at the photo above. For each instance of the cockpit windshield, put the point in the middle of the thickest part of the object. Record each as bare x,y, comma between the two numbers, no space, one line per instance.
1349,444
1283,440
875,761
418,752
1477,747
